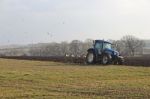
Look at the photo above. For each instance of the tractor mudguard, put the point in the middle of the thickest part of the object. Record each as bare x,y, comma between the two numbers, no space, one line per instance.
91,50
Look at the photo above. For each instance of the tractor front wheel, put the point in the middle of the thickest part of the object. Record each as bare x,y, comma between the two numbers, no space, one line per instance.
106,59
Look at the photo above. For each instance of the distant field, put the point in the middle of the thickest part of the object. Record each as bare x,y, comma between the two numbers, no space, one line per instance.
21,79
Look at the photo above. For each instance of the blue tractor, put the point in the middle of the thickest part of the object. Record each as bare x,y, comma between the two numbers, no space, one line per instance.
103,53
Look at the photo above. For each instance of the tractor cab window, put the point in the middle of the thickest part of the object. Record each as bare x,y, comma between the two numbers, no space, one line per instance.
98,46
107,45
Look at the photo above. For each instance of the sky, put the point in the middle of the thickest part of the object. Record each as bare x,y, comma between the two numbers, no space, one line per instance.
42,21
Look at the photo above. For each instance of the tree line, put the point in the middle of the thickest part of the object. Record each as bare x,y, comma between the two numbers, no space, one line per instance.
127,46
75,48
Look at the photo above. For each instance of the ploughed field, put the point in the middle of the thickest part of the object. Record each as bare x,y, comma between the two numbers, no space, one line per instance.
129,61
26,79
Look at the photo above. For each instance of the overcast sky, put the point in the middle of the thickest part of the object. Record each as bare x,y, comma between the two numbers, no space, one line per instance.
35,21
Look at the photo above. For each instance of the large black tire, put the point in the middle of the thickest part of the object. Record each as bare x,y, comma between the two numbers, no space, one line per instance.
90,58
106,59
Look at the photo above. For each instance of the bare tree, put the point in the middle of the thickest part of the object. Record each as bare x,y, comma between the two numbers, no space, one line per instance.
132,44
64,47
76,47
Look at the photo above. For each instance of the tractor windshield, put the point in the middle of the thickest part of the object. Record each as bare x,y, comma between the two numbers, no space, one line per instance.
107,45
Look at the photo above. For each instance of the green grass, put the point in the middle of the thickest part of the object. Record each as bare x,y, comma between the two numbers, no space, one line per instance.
37,80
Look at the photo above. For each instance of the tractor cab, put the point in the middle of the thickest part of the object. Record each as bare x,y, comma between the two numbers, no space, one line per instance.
102,52
100,45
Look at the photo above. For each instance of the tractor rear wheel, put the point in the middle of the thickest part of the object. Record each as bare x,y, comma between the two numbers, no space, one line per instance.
90,58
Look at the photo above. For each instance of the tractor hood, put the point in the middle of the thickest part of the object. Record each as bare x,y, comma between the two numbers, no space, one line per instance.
111,51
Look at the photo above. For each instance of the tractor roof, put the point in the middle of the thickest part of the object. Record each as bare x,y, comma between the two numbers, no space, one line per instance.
102,41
